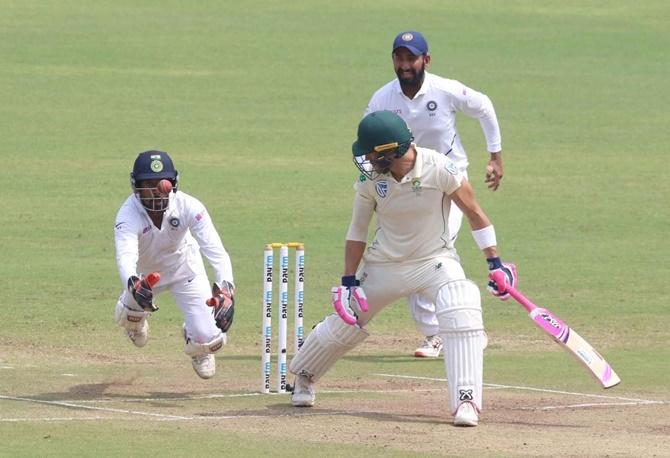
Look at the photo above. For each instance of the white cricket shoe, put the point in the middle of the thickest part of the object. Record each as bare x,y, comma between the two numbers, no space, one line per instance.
430,347
466,415
204,365
139,337
303,392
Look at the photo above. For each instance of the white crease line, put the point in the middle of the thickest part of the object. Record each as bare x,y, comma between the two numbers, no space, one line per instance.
103,409
238,395
18,420
528,388
593,404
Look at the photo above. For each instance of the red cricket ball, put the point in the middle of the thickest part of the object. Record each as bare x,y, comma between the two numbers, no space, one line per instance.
164,187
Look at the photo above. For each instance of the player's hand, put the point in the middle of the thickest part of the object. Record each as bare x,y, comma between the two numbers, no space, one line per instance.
494,171
223,302
142,292
348,299
509,271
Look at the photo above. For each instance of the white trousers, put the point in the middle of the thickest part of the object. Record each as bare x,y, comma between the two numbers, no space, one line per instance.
385,283
422,309
190,296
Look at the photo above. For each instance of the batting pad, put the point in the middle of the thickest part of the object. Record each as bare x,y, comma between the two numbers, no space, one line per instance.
458,307
329,341
459,312
195,349
132,320
464,363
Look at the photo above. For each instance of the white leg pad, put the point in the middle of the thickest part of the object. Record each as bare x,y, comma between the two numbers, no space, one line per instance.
195,349
459,313
329,341
129,319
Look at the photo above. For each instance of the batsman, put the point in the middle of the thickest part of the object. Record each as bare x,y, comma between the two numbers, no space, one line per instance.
410,189
160,233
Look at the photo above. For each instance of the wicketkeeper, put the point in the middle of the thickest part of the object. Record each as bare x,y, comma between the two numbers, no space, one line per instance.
410,189
162,230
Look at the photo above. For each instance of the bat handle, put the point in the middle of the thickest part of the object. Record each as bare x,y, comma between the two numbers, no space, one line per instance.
499,279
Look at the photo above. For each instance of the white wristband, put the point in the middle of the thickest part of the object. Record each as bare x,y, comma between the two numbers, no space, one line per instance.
485,238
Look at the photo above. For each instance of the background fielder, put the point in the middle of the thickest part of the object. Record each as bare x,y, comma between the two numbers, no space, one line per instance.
161,229
428,104
403,184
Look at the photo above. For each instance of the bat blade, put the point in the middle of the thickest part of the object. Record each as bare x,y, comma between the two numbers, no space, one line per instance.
576,345
566,337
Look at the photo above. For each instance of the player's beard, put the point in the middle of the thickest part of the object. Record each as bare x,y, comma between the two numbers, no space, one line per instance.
413,82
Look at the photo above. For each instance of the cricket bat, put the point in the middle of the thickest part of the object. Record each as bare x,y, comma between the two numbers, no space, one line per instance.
562,333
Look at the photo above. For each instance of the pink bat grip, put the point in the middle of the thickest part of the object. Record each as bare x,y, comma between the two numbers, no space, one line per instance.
503,287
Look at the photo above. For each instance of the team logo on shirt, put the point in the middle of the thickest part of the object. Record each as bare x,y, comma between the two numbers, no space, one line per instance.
416,185
174,222
382,188
432,105
451,167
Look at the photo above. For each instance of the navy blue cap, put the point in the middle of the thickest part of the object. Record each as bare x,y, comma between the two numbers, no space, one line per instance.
413,41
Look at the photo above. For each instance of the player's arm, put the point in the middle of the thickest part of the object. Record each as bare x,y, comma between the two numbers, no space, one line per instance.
126,242
478,105
203,230
484,235
464,198
357,234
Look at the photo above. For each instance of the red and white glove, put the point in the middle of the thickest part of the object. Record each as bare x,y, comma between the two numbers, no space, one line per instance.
509,271
223,303
142,292
349,297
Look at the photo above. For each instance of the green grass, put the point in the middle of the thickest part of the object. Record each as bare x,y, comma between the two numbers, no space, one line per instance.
258,105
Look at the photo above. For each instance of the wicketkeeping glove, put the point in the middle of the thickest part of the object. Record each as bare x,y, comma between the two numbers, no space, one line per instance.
348,295
142,293
496,265
223,302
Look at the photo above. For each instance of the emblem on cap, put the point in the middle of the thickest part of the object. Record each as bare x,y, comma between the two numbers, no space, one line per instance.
156,165
407,37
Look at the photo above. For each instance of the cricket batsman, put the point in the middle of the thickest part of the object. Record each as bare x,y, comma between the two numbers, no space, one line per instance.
410,189
160,233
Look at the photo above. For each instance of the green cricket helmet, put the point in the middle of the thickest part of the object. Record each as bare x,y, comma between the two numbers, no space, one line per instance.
384,133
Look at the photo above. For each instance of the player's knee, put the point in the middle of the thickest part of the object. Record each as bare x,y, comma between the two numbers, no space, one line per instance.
331,339
459,307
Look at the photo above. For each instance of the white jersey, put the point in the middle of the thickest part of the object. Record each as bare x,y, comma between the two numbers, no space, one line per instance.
431,114
174,249
411,214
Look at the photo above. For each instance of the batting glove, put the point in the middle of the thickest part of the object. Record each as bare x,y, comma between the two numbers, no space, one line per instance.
509,270
348,296
142,293
223,303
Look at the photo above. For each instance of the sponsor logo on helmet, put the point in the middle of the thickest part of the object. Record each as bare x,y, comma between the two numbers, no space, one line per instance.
157,165
407,37
432,105
382,188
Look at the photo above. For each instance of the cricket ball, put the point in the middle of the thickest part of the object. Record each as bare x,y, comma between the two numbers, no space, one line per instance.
164,187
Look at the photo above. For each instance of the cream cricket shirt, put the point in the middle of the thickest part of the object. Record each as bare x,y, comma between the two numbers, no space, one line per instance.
431,115
411,214
174,249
